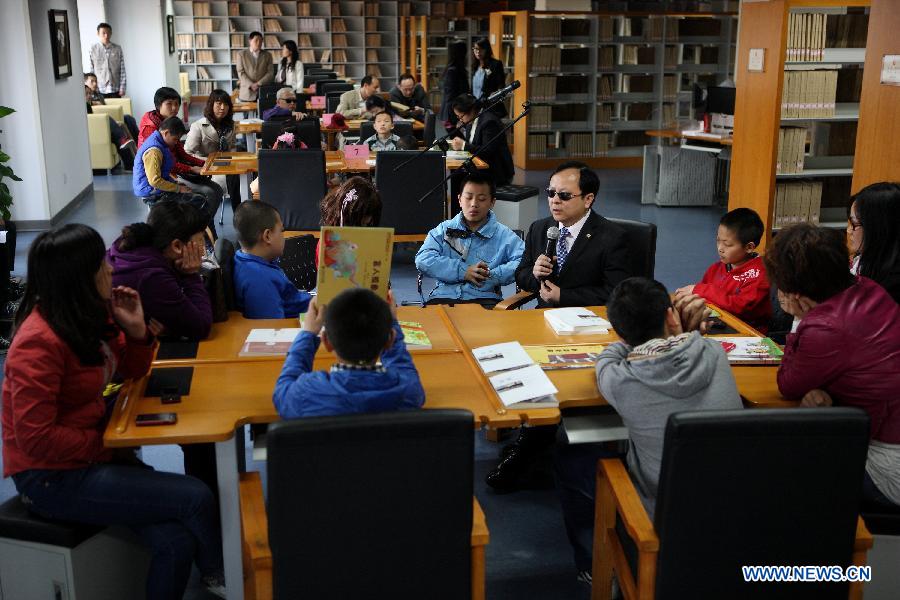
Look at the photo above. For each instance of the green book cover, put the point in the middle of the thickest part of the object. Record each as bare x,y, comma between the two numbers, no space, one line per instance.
414,335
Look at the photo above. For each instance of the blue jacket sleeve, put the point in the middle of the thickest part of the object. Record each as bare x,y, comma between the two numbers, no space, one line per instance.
262,299
397,359
290,389
512,247
293,301
430,260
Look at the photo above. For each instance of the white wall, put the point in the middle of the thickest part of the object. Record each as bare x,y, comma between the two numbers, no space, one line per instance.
139,26
61,103
90,14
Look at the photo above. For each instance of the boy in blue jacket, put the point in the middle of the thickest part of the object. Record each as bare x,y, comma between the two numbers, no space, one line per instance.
358,327
261,289
472,255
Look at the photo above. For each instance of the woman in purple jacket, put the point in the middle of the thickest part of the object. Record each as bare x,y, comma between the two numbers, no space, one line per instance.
161,260
845,350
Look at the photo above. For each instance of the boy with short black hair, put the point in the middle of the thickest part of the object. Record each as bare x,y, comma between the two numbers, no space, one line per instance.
662,366
738,282
472,255
261,289
384,138
359,327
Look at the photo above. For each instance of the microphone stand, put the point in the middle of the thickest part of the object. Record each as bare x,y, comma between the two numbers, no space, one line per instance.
450,134
469,163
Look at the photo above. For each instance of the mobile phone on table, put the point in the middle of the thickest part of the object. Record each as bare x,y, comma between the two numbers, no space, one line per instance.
148,419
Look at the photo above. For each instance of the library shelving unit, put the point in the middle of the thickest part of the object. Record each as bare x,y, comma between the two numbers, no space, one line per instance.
796,120
598,81
355,37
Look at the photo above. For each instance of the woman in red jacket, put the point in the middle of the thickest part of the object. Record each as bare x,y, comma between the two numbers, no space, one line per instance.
846,348
73,332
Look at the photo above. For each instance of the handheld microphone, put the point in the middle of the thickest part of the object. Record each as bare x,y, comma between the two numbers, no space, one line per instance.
505,91
550,248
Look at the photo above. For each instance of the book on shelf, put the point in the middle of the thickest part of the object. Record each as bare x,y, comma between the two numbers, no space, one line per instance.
311,25
751,350
374,39
204,25
304,41
354,257
371,25
700,55
606,57
340,70
797,202
669,115
184,41
205,56
270,9
271,41
631,26
326,55
540,117
375,71
185,57
552,358
605,28
237,40
579,145
670,86
670,56
537,145
603,142
335,9
338,25
834,139
847,31
653,29
339,40
307,55
415,336
809,94
204,88
303,9
272,26
202,73
543,88
269,342
339,56
604,115
372,55
546,29
234,56
232,27
638,111
576,321
201,9
809,34
201,40
606,84
372,9
234,9
791,150
545,59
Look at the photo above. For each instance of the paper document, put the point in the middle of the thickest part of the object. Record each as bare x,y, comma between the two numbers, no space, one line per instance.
524,385
576,321
269,342
550,358
501,357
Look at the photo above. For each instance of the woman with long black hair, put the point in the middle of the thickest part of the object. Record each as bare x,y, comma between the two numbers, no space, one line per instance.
215,133
290,69
873,227
72,333
488,74
454,81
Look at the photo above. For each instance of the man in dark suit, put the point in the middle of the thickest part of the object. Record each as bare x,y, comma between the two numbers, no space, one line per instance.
590,255
477,134
590,258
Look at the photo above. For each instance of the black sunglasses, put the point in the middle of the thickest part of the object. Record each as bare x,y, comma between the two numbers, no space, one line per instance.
290,100
551,193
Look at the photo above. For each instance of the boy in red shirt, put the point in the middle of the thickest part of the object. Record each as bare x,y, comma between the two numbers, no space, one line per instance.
738,282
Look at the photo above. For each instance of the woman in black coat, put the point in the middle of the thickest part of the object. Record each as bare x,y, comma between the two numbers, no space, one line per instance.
454,82
488,74
482,134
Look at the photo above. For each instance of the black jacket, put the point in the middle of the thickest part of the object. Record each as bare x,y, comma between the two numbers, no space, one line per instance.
492,83
596,262
454,82
419,98
496,154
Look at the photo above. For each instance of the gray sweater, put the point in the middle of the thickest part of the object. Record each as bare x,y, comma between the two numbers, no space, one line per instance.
693,375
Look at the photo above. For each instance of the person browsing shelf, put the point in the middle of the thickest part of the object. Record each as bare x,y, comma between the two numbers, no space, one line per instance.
353,103
261,289
254,68
481,134
873,228
384,138
359,327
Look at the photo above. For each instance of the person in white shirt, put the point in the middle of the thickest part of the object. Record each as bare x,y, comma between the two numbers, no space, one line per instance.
290,69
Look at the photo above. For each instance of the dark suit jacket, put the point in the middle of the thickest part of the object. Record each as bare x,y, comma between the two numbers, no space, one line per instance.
492,83
596,262
454,81
496,154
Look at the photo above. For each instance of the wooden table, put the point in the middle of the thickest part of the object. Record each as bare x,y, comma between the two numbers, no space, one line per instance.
241,106
353,125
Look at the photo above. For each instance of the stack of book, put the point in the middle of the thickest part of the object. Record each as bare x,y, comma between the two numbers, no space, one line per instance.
307,55
631,27
270,9
303,9
372,55
653,29
605,86
204,25
204,88
311,25
338,25
201,9
374,39
791,150
339,56
579,145
809,94
576,321
604,141
202,73
751,350
540,117
372,9
271,41
670,56
272,25
606,57
339,40
670,86
546,29
543,88
537,146
184,41
604,115
806,36
797,202
202,40
205,57
546,60
234,9
605,28
669,115
237,40
185,57
373,70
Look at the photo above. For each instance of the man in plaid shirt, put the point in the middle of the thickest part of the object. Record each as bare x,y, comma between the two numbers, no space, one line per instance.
108,63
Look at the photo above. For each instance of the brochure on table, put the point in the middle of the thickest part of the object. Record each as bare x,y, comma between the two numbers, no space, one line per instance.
515,377
576,321
269,342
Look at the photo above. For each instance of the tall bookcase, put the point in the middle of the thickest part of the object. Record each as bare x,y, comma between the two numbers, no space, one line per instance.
354,37
598,81
796,119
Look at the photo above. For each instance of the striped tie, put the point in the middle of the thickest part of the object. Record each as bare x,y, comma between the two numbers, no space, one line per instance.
562,247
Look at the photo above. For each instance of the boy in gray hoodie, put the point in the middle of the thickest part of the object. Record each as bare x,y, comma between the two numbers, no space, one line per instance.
662,366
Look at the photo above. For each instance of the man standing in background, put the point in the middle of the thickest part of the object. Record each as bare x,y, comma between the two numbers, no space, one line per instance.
108,64
254,68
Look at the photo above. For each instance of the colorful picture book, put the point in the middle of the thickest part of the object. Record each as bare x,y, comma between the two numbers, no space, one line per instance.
551,358
354,257
751,350
414,335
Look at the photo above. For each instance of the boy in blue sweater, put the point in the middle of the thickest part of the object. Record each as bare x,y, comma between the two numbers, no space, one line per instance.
261,289
358,327
473,254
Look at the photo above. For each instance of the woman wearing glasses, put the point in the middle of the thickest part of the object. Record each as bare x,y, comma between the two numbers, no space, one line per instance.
873,229
481,134
215,133
488,74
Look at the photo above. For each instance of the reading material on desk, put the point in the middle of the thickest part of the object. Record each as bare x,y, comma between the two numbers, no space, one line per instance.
354,257
575,321
551,358
751,350
501,357
528,387
414,335
252,121
458,154
269,342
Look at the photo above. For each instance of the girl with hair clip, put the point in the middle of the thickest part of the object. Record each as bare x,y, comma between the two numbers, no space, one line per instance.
354,203
873,228
72,333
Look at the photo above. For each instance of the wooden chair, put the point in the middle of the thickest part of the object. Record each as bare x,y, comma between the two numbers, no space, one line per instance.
345,523
641,240
737,488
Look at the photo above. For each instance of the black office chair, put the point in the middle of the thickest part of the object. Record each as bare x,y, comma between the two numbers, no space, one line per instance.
640,238
332,101
429,135
267,96
737,488
401,190
309,131
224,253
401,128
318,86
298,261
293,181
386,497
332,85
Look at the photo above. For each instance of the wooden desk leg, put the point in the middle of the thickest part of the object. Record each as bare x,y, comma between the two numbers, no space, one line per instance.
230,515
478,573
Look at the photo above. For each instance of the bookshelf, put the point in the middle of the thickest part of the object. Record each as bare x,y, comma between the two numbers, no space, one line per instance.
354,37
796,122
598,81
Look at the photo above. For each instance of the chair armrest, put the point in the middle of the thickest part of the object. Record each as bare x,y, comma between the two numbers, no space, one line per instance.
629,505
480,534
863,540
254,522
516,300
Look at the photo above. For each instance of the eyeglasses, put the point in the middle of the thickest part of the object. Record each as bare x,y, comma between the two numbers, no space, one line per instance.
564,196
290,100
853,225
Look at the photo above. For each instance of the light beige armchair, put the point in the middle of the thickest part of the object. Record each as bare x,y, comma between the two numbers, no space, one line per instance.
116,111
103,151
125,103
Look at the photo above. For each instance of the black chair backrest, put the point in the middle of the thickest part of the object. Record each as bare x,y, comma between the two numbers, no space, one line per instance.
332,85
388,496
224,253
293,181
757,487
332,100
308,130
267,96
401,128
429,134
401,190
298,261
641,240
